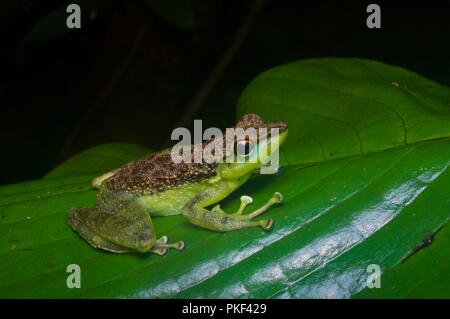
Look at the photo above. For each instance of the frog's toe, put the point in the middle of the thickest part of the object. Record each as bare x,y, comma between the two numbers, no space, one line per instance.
217,209
161,245
277,198
159,250
245,201
266,224
162,240
179,245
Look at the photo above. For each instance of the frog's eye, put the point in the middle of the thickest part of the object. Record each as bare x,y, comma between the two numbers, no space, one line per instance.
244,147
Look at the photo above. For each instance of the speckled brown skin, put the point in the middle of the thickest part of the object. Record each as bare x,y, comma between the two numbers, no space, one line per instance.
253,120
156,173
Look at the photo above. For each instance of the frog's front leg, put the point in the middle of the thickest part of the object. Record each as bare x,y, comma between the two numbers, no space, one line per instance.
218,220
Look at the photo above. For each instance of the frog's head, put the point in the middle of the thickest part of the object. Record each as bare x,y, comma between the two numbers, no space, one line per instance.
254,148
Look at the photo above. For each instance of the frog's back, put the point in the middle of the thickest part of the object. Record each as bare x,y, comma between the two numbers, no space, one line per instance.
156,173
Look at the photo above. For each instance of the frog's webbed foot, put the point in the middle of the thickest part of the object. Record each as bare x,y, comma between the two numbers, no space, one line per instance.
160,247
219,220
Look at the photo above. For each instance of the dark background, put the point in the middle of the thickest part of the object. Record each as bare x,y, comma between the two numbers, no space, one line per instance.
139,68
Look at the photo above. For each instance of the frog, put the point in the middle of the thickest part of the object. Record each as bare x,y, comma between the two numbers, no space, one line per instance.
155,185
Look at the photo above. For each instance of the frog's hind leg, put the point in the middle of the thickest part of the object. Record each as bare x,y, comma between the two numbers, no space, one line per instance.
76,219
118,223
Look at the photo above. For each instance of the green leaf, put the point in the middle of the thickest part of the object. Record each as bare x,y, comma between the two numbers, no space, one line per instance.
338,107
98,159
365,180
425,274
